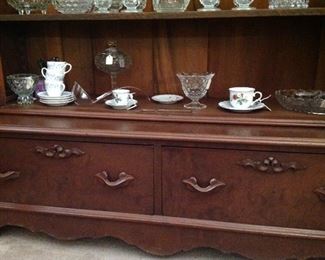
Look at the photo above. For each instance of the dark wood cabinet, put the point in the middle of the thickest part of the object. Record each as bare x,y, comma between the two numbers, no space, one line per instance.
167,181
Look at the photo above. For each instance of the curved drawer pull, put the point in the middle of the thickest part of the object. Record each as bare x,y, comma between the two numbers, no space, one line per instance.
58,151
192,185
9,175
321,193
123,179
271,165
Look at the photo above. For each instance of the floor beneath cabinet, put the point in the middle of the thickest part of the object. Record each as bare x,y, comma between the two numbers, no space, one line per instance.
16,243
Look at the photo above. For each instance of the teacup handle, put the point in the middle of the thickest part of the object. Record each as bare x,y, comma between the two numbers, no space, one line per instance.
69,66
259,98
62,86
44,73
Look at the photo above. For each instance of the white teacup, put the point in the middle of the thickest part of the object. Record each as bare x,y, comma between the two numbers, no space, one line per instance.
122,97
52,75
59,66
243,97
54,88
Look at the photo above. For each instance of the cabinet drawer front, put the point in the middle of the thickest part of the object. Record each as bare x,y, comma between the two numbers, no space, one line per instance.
255,187
113,177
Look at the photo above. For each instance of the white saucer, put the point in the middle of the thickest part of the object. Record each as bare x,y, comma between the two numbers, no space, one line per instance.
167,99
226,105
112,104
65,95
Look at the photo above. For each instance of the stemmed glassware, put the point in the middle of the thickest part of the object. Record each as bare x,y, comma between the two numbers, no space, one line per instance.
195,87
134,6
102,6
209,5
243,4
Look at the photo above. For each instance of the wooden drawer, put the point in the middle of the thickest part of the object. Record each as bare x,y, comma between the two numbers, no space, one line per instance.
274,188
72,175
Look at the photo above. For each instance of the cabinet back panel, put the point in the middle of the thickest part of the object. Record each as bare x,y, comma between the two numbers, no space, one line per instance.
265,53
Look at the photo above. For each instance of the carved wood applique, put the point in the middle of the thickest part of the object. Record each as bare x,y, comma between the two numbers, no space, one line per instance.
320,193
58,151
271,165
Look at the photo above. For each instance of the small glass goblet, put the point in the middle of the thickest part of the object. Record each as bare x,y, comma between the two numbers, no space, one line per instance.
23,85
195,87
209,5
102,6
243,4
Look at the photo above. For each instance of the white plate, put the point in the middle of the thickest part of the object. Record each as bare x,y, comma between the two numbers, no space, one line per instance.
167,99
112,103
226,105
65,95
56,103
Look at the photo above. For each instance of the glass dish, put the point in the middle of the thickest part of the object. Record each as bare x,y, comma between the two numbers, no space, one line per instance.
274,4
28,6
23,85
209,5
73,6
195,87
134,6
170,5
306,101
102,6
243,4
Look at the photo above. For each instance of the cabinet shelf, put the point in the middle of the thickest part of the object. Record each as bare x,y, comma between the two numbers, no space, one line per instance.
165,16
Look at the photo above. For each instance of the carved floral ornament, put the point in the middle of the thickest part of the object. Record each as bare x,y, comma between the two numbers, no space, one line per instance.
58,151
271,165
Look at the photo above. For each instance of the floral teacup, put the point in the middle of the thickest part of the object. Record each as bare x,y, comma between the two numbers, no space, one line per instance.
243,97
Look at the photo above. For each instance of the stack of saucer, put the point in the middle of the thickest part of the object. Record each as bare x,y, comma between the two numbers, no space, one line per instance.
66,98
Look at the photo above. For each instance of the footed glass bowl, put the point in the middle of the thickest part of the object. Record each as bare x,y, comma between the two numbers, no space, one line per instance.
23,85
73,6
27,6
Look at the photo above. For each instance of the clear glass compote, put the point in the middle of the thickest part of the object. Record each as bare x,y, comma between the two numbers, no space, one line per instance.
28,6
243,4
195,87
209,5
102,6
23,85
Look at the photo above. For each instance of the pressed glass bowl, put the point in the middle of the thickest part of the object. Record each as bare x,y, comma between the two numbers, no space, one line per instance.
28,6
73,6
306,101
170,5
23,85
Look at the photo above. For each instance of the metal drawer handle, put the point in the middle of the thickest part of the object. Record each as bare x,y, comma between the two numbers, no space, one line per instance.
321,193
191,184
9,175
271,165
123,179
58,151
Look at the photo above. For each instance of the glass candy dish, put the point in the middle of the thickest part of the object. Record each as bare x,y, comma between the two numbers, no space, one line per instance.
73,6
306,101
170,5
28,6
274,4
23,85
134,6
209,5
112,61
195,87
102,6
243,5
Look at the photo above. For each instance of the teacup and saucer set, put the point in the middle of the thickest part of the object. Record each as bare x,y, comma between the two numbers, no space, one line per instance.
123,100
54,76
241,99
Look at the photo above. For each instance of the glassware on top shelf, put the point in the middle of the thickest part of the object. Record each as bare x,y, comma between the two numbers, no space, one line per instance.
112,61
209,5
116,6
73,6
102,6
274,4
195,87
170,5
134,6
28,6
243,5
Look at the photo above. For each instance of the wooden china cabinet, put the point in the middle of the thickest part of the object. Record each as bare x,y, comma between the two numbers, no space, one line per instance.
157,177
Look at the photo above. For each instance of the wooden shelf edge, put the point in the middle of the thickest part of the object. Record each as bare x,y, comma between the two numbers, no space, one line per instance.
317,11
167,221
